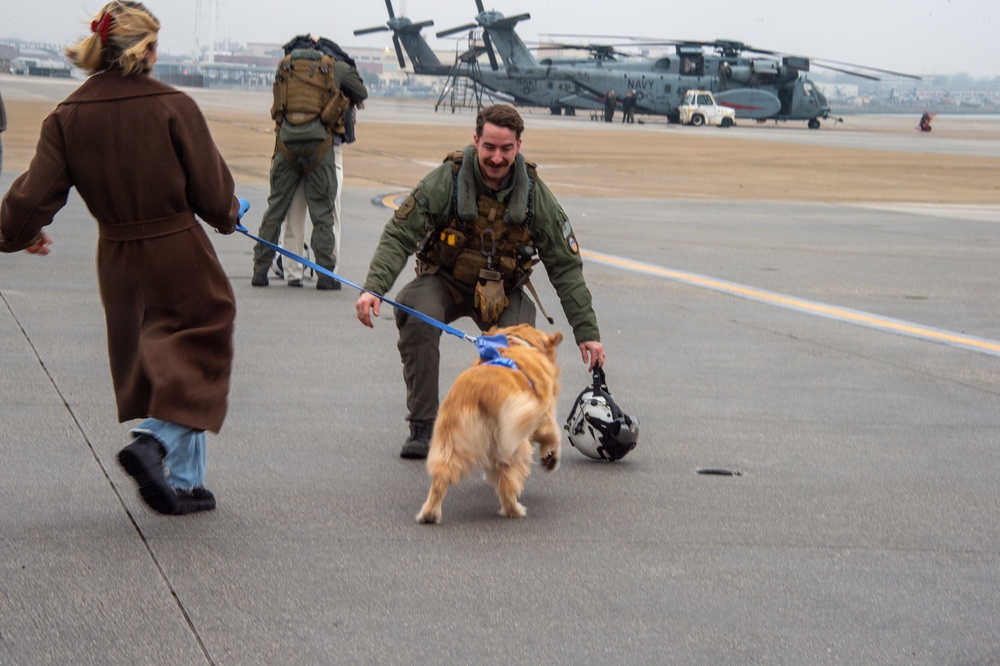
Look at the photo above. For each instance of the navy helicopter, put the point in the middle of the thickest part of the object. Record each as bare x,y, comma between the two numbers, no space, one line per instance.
761,87
556,95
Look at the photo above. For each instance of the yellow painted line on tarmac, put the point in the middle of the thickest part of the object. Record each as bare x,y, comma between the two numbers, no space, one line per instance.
858,317
389,200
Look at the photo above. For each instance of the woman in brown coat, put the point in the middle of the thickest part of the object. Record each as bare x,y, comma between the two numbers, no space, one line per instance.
140,154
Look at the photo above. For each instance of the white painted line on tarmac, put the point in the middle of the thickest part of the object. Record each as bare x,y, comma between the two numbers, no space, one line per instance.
857,317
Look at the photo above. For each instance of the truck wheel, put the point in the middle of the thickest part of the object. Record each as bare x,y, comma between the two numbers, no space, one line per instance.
697,120
727,122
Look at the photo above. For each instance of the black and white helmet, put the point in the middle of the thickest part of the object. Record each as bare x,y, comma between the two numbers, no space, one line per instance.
597,427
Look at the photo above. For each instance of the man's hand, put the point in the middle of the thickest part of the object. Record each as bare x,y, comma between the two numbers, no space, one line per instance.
40,246
368,305
592,353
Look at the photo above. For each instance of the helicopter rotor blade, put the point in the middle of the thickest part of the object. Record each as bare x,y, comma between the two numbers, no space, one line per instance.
598,51
399,51
870,77
452,31
489,51
820,61
388,6
366,31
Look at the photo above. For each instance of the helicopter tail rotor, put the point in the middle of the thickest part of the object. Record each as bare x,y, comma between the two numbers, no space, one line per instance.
397,26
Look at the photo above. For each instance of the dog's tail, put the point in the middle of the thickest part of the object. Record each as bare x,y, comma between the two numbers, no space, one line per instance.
518,418
457,444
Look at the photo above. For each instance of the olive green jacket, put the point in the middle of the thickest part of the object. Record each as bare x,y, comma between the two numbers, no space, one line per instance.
430,206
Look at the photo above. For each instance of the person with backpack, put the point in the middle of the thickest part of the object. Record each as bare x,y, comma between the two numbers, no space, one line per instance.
313,94
293,236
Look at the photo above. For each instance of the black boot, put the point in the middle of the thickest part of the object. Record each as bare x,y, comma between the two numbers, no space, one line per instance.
259,278
419,442
327,282
143,461
196,499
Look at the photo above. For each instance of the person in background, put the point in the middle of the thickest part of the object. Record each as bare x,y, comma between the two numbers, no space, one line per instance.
629,102
610,101
313,94
293,230
141,157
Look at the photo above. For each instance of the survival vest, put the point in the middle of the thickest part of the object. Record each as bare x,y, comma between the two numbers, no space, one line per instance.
485,241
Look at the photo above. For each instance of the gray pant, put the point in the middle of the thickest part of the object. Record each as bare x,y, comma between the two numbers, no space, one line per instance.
320,187
419,342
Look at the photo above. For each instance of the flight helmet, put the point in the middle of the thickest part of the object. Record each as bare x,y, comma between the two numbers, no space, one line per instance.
597,427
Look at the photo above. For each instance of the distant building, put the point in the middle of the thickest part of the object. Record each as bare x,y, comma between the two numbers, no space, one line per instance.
39,60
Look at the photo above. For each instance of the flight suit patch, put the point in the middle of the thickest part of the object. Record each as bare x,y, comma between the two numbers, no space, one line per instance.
567,232
405,209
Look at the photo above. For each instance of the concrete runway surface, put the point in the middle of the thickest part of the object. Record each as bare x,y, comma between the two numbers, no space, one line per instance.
843,358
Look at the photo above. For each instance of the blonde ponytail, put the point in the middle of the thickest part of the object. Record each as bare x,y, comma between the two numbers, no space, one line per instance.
122,34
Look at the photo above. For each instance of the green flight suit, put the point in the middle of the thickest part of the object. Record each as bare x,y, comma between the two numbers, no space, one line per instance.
429,206
320,183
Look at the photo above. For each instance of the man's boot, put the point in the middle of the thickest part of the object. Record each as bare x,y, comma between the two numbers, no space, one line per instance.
419,442
327,282
259,278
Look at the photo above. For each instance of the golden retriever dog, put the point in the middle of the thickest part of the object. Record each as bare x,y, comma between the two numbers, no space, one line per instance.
491,416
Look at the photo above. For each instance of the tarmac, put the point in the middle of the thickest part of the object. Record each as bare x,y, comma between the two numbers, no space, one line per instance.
841,361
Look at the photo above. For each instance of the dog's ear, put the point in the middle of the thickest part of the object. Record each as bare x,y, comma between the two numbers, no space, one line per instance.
554,340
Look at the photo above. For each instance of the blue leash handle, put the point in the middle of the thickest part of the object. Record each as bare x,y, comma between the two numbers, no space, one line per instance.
399,306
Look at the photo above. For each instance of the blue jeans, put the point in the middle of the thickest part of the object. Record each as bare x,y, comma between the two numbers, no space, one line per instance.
185,451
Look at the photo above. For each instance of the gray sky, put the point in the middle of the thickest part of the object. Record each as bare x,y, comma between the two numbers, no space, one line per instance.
914,36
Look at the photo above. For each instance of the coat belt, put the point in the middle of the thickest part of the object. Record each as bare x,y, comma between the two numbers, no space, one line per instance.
144,229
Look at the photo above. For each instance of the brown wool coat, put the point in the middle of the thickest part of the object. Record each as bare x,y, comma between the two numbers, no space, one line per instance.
140,154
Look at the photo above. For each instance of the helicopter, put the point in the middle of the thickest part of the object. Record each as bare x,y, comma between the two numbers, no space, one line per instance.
535,92
767,85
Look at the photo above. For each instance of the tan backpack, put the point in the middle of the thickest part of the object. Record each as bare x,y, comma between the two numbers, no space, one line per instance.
305,88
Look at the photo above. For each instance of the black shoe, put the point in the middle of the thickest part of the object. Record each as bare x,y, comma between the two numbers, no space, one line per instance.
418,443
194,500
143,461
327,282
259,278
295,283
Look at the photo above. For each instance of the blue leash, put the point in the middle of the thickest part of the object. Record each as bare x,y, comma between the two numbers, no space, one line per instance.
302,260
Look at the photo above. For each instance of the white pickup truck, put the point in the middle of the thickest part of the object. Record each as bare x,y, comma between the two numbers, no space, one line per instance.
699,108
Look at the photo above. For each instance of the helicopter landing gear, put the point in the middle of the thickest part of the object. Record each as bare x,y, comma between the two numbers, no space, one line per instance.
814,123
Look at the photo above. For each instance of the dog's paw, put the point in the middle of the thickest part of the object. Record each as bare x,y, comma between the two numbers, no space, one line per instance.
516,511
550,462
428,518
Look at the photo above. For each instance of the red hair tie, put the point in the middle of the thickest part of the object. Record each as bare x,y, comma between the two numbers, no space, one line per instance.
102,25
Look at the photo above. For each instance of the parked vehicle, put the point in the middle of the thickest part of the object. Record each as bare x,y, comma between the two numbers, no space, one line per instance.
699,108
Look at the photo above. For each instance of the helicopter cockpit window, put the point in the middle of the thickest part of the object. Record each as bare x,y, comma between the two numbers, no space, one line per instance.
692,65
